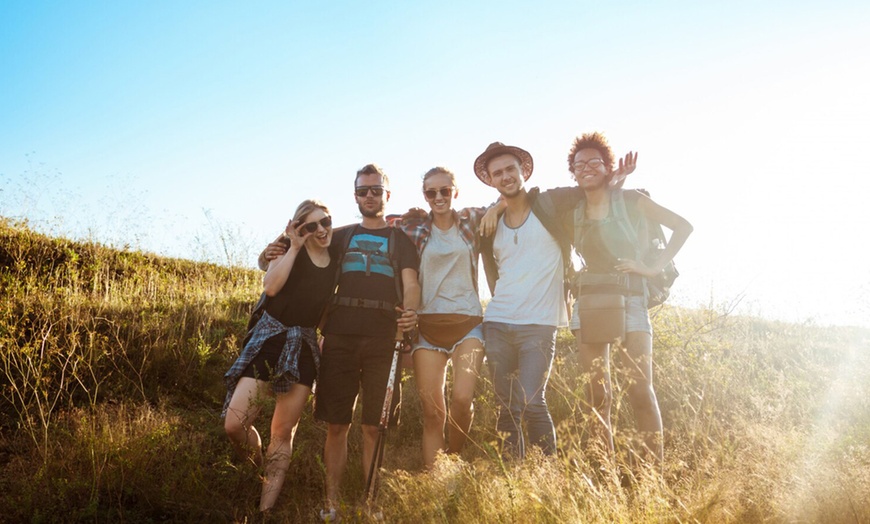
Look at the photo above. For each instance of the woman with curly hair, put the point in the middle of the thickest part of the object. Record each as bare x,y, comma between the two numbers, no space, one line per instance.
609,235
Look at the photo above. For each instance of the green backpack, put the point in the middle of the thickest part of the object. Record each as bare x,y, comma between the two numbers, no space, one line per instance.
647,237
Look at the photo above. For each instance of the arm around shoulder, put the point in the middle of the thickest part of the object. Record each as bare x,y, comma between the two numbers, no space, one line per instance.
273,250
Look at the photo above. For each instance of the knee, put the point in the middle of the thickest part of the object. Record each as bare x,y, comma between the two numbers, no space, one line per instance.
600,393
503,387
462,402
536,408
433,415
369,432
431,402
234,429
337,432
642,395
515,412
283,432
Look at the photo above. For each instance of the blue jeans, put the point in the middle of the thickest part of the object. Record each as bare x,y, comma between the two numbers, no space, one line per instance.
520,358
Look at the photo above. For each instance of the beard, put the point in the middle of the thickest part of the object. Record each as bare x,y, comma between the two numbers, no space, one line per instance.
375,213
509,193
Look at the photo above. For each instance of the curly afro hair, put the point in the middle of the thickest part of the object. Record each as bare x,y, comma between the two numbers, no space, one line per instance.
594,140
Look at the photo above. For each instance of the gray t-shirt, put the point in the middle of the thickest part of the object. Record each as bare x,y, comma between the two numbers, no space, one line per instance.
446,275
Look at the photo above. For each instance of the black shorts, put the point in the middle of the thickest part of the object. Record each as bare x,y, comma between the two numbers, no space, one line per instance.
348,363
267,360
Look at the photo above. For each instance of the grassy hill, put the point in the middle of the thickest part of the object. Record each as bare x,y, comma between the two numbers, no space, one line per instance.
111,367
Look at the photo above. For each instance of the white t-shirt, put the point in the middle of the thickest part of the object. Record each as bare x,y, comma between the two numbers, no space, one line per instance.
446,275
529,289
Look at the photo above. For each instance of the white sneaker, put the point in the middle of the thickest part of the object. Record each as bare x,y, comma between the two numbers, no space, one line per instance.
329,515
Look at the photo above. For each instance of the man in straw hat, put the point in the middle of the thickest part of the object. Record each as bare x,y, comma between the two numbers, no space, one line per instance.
527,265
525,262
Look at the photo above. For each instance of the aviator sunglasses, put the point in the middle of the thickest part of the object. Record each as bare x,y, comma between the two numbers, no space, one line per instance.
430,194
362,191
311,227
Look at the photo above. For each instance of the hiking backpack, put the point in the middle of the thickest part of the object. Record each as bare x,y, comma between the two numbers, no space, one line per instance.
394,264
647,237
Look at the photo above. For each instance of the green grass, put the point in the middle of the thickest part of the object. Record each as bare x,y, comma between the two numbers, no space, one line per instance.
111,367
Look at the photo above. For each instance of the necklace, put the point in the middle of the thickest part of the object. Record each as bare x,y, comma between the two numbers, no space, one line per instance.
515,229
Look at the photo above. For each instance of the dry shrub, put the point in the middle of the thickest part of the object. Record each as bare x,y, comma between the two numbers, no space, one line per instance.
540,489
81,323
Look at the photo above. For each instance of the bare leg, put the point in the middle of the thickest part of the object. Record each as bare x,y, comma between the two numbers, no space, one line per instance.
243,410
467,359
637,361
595,361
288,410
335,459
430,369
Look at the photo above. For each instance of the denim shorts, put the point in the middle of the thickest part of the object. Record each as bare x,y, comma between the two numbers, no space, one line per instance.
422,343
636,315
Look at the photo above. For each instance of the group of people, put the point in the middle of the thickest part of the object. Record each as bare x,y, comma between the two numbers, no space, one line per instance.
365,285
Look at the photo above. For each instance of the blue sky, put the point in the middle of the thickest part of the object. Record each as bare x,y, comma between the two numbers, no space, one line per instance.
163,125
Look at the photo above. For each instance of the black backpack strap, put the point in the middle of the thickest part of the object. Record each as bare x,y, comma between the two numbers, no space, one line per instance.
340,260
363,302
394,262
256,314
544,203
579,219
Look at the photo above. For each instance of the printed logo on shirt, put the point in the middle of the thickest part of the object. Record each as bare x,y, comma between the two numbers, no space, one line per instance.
368,254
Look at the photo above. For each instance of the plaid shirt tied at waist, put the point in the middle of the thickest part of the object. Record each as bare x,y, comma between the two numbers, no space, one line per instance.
287,371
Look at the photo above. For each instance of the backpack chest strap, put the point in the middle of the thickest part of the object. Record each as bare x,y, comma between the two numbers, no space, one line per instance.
364,303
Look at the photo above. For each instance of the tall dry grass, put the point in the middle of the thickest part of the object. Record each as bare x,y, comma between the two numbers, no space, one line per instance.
110,391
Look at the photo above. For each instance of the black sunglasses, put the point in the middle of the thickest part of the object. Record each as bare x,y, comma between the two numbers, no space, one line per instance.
362,191
432,193
311,227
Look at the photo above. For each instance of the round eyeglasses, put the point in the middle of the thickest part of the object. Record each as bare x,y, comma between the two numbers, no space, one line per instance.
594,163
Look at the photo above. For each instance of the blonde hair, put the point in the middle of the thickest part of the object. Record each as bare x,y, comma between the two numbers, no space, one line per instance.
307,206
439,171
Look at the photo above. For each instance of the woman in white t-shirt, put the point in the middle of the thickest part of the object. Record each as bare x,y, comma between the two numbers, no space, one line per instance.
449,246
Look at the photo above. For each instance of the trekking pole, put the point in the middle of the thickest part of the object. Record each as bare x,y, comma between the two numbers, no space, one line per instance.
378,457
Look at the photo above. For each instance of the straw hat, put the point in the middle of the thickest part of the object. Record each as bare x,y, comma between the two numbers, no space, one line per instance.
497,148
